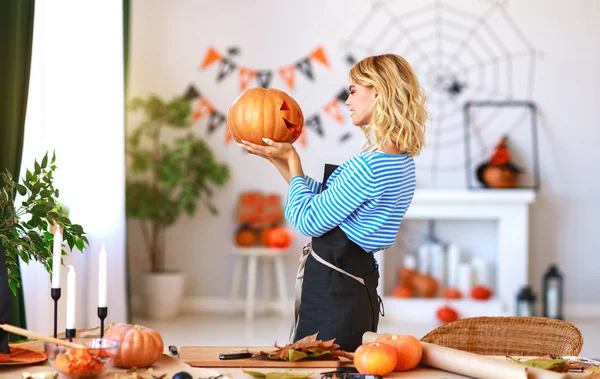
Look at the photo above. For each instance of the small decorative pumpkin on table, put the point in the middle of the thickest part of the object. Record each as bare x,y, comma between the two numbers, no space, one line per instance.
139,346
499,172
265,113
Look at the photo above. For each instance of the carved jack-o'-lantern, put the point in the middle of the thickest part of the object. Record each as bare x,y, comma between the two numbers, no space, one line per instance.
265,113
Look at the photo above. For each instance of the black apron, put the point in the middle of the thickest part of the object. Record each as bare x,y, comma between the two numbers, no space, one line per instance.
336,304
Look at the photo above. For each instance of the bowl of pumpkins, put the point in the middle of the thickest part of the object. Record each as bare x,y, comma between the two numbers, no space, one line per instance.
90,359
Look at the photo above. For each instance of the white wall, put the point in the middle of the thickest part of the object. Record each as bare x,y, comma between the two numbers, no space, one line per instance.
170,39
75,108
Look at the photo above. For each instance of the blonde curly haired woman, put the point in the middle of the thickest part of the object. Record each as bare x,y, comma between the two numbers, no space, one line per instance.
358,207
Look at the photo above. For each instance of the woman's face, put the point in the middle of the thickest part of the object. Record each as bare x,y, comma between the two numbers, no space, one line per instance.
360,102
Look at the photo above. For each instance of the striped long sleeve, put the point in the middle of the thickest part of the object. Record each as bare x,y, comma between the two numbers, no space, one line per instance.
367,197
315,214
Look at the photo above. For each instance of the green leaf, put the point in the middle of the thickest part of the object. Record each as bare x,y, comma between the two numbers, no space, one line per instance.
22,189
79,244
295,355
256,374
45,161
13,284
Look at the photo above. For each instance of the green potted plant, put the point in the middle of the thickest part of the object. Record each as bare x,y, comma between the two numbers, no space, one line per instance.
24,229
170,172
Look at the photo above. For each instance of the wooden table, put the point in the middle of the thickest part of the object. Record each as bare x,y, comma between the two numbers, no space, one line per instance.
170,366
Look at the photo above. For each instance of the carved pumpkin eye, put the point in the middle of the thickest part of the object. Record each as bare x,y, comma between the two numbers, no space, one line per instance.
285,106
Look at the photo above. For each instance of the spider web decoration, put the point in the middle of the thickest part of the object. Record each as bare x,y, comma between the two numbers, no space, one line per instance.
461,50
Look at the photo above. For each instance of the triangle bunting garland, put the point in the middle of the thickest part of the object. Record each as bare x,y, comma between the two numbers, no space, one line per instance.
264,77
246,75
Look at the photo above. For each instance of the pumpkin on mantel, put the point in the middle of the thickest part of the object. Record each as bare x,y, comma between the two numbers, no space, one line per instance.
265,113
139,346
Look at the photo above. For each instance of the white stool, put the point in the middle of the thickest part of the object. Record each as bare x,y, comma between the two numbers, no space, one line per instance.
253,254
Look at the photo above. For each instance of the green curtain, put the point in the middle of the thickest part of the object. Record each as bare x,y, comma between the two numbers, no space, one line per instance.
126,23
16,37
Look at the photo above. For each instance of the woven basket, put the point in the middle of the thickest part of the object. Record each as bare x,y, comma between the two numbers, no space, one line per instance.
515,336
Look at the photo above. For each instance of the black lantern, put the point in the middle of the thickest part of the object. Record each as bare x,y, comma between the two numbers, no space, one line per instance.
553,293
526,302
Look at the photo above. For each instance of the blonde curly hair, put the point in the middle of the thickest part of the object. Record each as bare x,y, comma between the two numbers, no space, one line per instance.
399,112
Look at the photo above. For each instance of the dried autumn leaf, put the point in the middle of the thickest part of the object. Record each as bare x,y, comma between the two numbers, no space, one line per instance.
308,347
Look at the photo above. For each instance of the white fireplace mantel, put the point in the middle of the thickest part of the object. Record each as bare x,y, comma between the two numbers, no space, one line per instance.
510,209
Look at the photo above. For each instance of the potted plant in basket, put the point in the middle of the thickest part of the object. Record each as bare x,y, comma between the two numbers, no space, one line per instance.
166,180
24,229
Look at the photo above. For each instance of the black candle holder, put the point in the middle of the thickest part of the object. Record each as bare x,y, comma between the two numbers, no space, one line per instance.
102,313
55,293
70,334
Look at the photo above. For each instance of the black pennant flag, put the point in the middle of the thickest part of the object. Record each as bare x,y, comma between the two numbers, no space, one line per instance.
343,95
215,121
191,93
314,122
345,137
226,67
264,78
306,68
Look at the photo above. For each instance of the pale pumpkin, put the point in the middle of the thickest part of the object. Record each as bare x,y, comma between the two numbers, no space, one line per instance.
265,113
139,346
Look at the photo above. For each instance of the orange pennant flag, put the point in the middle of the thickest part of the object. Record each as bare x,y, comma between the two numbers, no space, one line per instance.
246,75
334,110
211,57
302,138
288,74
228,136
203,108
318,54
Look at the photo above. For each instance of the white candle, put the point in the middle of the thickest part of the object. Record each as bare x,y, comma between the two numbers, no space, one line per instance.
103,260
71,292
438,264
465,279
482,272
424,258
454,259
56,257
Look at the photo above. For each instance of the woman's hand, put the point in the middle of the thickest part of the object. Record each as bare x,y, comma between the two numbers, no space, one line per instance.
274,151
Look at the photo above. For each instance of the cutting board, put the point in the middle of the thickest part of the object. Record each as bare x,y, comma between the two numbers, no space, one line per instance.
208,356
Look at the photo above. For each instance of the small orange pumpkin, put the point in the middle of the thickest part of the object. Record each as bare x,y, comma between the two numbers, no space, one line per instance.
278,237
446,314
402,292
140,346
451,293
265,113
245,237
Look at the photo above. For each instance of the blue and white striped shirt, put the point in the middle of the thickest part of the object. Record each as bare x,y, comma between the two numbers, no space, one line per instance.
367,196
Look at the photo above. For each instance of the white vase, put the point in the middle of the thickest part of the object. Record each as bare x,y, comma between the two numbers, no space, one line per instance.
162,294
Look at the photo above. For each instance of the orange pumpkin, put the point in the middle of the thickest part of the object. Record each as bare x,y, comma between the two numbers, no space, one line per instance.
245,237
375,358
500,177
446,314
451,293
402,292
481,293
408,350
425,285
265,113
277,237
140,346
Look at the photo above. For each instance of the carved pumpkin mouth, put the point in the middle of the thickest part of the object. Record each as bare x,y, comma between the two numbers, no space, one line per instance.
292,122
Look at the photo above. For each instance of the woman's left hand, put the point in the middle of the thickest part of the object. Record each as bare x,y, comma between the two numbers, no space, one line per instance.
273,150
